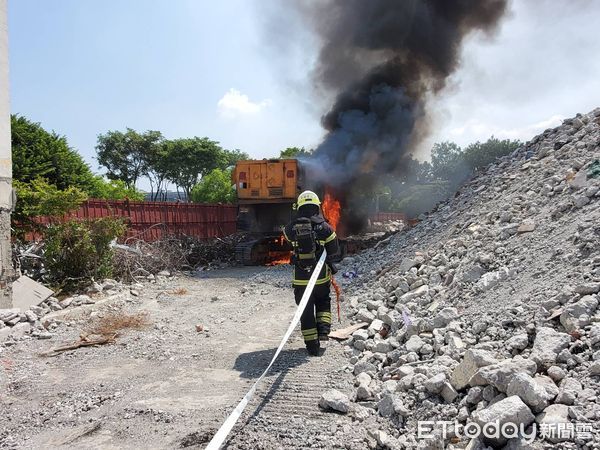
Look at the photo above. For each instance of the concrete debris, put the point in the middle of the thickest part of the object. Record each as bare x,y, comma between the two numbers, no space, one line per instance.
568,390
547,345
435,383
526,226
556,373
335,400
501,374
532,393
414,344
550,419
595,368
391,404
17,323
577,315
28,293
492,300
518,342
472,361
511,409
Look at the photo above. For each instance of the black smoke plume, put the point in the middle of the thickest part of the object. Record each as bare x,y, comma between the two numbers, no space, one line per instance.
380,60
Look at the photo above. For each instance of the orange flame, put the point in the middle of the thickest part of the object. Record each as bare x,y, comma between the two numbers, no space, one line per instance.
331,209
280,256
278,262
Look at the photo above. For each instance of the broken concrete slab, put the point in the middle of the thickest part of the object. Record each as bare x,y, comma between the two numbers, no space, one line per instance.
512,409
550,418
20,330
473,360
81,311
345,333
28,293
501,374
527,226
4,333
547,345
334,400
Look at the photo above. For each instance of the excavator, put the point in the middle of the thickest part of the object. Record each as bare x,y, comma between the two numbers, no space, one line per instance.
266,192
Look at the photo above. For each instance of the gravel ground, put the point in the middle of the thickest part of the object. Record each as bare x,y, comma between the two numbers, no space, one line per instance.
169,385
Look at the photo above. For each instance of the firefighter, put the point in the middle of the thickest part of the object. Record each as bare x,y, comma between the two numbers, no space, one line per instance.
309,234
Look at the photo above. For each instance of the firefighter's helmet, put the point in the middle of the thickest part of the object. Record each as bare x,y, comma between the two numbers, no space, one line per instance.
308,198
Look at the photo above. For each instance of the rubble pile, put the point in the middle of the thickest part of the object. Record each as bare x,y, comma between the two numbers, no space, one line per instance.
16,325
487,311
40,321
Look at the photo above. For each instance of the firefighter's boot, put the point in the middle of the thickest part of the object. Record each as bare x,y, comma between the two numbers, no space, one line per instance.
323,325
313,347
311,340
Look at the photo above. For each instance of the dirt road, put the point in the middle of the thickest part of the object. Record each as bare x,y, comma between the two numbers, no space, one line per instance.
169,385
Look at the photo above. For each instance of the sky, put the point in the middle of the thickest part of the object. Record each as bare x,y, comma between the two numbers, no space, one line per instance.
216,69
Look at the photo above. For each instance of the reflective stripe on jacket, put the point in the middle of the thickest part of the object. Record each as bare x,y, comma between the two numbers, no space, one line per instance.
325,238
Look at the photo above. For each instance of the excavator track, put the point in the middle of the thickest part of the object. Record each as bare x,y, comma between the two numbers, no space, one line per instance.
285,414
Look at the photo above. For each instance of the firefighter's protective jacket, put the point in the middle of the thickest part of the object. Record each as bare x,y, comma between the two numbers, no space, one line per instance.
325,238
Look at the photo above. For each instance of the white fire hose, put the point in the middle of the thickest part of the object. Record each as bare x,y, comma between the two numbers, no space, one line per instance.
220,436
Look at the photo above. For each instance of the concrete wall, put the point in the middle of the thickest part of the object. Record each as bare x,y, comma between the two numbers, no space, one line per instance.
6,193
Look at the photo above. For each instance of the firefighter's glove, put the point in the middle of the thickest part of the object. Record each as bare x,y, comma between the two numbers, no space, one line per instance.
333,268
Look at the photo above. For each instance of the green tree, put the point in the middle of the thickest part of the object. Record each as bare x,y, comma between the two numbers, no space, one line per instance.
158,165
215,187
40,198
37,153
295,152
233,156
126,155
415,199
77,251
444,157
192,158
114,190
480,154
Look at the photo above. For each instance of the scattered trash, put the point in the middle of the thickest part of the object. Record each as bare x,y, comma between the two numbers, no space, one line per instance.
406,317
103,331
350,274
29,259
180,291
345,333
594,169
84,341
384,331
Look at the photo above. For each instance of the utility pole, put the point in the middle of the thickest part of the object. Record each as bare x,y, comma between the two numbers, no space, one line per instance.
6,191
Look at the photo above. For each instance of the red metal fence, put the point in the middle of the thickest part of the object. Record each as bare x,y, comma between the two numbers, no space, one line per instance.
152,220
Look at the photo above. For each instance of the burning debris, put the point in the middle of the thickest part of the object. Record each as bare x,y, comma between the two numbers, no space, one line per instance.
280,256
380,61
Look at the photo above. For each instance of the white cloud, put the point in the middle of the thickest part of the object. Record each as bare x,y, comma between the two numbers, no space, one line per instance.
477,130
234,104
